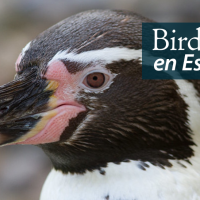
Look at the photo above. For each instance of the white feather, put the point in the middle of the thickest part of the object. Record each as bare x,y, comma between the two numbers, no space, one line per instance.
107,55
25,49
126,182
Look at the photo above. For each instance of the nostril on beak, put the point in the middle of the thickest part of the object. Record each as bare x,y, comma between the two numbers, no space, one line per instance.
3,110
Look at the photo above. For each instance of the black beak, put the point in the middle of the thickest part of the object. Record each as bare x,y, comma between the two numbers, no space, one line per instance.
22,103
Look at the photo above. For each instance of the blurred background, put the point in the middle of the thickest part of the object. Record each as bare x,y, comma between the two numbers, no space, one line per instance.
23,169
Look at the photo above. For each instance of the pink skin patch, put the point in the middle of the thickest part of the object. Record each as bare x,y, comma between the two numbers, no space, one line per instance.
17,62
65,109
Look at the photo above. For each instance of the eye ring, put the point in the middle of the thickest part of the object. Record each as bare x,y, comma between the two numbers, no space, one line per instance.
104,76
95,80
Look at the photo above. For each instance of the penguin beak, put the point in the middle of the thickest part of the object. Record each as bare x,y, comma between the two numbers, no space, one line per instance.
23,103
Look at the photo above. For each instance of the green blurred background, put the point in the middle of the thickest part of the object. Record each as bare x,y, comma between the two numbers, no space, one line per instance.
23,169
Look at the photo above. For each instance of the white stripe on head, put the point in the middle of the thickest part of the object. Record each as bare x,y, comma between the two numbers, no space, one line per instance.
107,55
25,49
189,95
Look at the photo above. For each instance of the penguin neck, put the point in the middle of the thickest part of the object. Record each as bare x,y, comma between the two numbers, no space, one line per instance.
68,160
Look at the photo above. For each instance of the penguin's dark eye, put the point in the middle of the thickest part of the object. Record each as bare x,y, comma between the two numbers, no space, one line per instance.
94,80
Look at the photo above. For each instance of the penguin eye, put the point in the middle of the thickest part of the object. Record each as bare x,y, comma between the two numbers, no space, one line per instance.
94,80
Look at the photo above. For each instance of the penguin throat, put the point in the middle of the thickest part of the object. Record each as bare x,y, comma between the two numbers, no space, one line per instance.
70,159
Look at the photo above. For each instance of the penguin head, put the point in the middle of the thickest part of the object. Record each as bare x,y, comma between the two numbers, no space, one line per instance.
79,95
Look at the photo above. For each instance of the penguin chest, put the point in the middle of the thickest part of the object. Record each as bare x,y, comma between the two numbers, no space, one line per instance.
126,181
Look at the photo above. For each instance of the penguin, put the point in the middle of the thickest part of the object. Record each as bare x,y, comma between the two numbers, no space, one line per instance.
78,94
